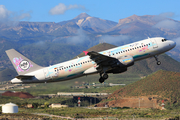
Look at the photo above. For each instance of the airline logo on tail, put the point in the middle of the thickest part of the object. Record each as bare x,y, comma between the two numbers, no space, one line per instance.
22,65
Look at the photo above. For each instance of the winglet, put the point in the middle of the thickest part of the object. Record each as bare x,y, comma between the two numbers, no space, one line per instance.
85,52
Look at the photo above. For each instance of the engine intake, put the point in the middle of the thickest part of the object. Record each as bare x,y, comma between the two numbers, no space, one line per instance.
125,61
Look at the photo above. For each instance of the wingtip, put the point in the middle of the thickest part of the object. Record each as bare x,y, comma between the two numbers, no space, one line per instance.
85,52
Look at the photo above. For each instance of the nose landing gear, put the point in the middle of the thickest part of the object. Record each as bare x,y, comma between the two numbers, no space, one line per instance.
158,62
103,77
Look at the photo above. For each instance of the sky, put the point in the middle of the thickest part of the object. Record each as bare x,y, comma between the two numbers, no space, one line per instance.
62,10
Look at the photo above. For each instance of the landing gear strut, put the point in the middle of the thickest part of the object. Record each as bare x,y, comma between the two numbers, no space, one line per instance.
103,77
158,62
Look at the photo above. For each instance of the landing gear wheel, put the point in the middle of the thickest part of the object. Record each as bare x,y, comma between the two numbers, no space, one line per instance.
158,62
105,76
101,79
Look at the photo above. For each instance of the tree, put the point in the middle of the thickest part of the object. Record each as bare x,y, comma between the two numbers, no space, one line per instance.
46,104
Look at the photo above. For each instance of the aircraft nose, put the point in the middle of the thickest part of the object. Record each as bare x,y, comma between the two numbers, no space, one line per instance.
172,43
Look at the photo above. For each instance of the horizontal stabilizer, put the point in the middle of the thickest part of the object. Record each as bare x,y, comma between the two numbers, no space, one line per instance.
24,77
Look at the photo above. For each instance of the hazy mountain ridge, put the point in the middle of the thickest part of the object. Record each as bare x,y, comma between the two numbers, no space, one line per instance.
143,26
84,35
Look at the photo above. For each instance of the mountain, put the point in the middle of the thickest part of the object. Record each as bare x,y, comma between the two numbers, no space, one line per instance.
146,26
162,84
7,75
96,24
98,48
84,32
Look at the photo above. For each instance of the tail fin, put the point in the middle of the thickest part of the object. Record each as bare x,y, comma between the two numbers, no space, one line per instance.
22,64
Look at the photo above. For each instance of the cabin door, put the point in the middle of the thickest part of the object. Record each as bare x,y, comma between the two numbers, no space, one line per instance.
46,73
154,43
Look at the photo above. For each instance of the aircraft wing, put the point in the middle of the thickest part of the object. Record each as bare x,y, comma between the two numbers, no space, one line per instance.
24,77
101,59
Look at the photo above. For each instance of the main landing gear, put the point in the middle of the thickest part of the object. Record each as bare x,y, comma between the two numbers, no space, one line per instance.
158,62
103,77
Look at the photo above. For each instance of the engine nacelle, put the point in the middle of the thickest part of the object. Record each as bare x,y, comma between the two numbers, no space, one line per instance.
125,61
117,70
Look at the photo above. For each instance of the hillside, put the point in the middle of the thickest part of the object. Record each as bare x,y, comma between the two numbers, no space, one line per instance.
162,84
98,48
7,75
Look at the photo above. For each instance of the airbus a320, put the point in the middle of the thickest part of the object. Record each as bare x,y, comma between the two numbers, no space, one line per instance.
115,60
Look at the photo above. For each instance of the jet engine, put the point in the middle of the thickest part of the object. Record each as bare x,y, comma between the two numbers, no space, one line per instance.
121,64
124,61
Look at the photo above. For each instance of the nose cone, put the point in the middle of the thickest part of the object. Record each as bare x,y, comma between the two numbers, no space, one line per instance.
172,44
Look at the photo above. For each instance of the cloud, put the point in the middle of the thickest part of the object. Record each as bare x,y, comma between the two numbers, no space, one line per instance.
79,38
164,21
10,17
22,16
115,39
4,13
177,40
62,8
167,24
164,16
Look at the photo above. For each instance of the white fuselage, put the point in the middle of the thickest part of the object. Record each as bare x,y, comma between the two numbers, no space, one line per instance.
85,66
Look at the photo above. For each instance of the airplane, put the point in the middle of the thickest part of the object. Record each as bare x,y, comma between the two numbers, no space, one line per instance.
115,60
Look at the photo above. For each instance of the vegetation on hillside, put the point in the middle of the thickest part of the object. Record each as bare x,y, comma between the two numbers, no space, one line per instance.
165,84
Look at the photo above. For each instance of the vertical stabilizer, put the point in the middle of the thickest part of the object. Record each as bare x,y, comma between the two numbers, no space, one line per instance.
22,64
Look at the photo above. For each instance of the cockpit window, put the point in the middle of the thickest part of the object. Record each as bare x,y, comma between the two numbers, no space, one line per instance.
163,40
